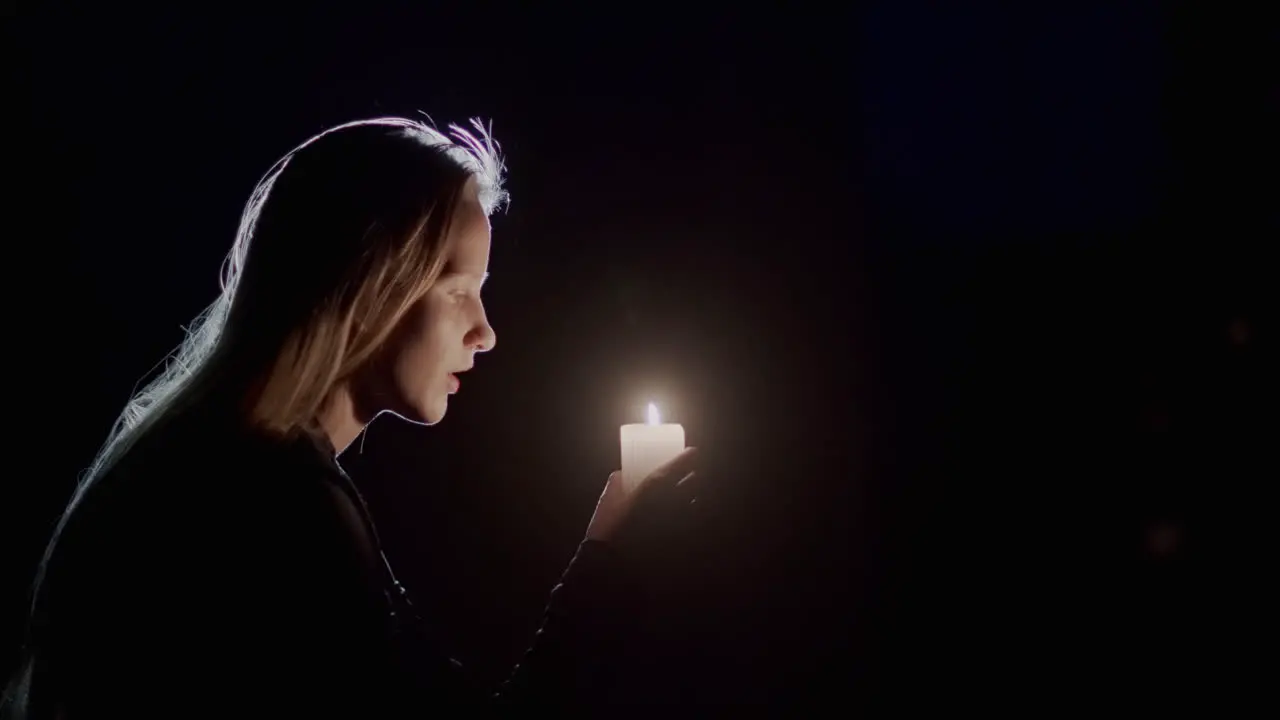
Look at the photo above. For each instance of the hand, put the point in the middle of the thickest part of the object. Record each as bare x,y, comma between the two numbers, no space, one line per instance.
623,509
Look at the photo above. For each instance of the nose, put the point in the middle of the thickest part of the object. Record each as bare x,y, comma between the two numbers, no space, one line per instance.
482,338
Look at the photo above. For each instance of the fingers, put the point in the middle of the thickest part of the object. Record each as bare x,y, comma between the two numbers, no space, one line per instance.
660,497
680,466
685,491
689,486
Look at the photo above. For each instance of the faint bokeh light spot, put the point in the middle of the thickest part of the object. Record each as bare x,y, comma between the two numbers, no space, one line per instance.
1239,331
1158,421
1163,539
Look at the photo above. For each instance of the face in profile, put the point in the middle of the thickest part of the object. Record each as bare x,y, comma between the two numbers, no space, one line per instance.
439,337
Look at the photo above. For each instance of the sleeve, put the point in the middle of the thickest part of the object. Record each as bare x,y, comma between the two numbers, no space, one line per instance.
275,605
576,649
363,652
568,666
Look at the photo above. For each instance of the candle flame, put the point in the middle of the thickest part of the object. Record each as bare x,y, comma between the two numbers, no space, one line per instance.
653,414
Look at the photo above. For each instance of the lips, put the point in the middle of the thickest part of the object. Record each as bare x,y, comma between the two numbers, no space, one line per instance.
454,381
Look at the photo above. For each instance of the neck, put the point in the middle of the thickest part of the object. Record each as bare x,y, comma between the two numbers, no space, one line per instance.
339,419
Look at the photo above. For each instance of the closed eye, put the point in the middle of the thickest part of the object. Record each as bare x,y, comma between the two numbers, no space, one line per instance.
463,284
465,294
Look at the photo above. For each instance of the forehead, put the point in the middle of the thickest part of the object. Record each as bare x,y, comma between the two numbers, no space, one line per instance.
469,233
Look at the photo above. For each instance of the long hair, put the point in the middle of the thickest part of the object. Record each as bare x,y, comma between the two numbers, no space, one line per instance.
338,240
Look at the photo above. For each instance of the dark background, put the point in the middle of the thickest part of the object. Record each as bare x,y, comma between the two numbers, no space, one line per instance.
962,304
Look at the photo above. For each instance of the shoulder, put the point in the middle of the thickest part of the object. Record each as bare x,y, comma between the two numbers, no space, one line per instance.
206,548
216,501
192,476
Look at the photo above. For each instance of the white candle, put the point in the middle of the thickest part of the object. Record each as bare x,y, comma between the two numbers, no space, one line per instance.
646,446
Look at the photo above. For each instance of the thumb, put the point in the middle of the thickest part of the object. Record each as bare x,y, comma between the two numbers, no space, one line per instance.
613,489
610,509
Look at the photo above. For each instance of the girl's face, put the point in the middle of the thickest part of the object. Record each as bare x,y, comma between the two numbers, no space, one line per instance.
439,337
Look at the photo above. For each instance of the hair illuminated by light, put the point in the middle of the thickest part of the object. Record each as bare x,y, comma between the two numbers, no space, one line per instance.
390,185
337,241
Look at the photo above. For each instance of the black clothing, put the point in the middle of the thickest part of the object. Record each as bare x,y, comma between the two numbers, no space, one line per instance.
219,572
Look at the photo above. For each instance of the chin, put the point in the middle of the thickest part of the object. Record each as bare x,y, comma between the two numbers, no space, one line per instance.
435,417
429,414
434,410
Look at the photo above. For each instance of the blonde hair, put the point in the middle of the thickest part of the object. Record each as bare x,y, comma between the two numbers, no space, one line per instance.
337,241
356,175
397,266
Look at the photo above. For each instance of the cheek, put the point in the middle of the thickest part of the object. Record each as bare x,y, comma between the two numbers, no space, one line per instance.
424,349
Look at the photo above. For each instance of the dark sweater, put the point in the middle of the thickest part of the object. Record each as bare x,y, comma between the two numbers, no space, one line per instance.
219,572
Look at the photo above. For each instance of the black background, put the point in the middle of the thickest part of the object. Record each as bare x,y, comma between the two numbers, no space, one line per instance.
962,304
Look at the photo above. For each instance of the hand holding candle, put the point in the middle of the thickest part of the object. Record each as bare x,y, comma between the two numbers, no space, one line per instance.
656,472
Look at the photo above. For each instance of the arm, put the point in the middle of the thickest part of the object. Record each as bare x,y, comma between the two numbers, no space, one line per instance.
371,661
310,598
567,664
569,661
589,614
273,603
